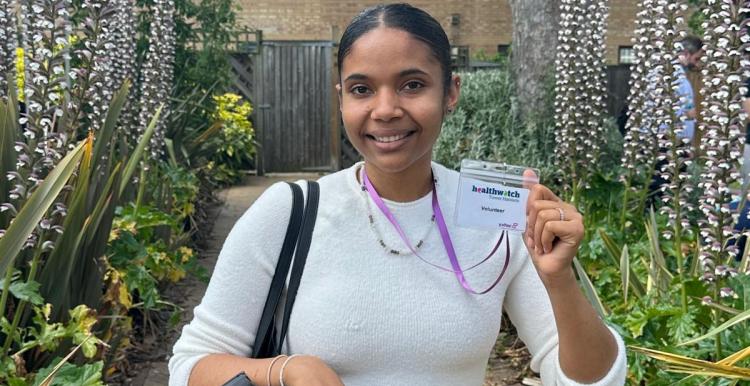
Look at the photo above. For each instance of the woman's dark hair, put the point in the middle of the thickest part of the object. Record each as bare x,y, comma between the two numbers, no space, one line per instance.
407,18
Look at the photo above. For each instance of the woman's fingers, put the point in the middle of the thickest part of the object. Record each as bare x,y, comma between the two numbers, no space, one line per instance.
542,219
540,198
545,212
529,179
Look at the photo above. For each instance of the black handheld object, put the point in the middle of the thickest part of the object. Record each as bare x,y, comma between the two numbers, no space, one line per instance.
240,380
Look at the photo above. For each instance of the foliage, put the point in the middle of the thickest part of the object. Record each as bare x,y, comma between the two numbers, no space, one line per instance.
486,125
235,146
142,258
72,160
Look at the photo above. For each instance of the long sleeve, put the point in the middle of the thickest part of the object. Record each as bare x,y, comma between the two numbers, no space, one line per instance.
530,310
227,318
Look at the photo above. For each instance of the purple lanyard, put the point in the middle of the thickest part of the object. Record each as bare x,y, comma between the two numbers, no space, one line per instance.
443,234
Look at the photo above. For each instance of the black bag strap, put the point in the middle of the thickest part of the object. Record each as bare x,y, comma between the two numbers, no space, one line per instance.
265,339
300,257
264,336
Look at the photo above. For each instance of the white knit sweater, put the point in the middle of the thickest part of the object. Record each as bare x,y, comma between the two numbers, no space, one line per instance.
374,317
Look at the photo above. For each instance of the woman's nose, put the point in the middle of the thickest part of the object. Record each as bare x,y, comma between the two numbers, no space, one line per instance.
386,106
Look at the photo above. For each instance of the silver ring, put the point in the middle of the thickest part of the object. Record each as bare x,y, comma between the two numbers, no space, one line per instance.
562,213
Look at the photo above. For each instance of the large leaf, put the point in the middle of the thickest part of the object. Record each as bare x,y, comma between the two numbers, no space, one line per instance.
615,253
589,290
658,272
135,158
687,365
8,136
36,206
729,323
61,262
625,272
104,135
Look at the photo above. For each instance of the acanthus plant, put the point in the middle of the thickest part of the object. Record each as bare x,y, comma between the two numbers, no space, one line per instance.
726,67
8,42
580,86
640,142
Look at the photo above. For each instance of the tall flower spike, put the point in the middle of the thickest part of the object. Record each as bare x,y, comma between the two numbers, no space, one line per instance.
96,84
664,105
44,28
580,82
640,147
157,72
726,66
124,65
8,42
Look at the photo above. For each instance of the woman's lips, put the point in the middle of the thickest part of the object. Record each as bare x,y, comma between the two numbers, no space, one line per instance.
389,142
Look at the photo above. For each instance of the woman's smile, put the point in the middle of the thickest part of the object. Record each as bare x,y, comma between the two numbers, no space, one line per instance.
390,142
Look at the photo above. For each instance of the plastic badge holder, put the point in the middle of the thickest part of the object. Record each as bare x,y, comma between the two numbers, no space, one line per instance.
493,195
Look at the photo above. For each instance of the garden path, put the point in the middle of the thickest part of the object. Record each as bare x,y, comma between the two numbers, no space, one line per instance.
508,362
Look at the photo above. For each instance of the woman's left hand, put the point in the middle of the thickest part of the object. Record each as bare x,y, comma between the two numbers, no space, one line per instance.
554,230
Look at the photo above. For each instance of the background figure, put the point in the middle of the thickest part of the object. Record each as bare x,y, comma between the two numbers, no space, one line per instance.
689,59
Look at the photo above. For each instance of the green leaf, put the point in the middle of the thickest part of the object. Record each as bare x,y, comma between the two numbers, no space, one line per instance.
135,158
28,291
615,253
36,206
8,137
104,136
86,375
589,290
625,272
729,323
682,326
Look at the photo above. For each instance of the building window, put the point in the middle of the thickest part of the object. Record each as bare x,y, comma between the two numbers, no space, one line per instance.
455,19
460,56
626,55
503,49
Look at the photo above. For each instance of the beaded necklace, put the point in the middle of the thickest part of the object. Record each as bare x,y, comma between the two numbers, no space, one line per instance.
379,235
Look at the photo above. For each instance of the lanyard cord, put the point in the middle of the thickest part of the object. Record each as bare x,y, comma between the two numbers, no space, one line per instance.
440,220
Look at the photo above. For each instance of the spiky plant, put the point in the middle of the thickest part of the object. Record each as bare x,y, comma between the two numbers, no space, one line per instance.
726,42
640,142
124,63
157,71
579,104
8,41
675,150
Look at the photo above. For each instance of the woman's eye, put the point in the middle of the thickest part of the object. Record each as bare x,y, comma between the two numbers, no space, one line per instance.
413,85
359,90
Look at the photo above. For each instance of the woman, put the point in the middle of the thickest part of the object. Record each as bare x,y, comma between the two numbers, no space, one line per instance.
368,311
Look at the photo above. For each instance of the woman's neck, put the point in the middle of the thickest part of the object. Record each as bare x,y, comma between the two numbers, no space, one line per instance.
405,186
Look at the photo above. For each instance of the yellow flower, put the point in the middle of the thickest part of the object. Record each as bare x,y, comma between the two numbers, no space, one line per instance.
20,71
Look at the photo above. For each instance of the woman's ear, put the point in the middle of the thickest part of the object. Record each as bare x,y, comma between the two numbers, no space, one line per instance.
338,92
454,92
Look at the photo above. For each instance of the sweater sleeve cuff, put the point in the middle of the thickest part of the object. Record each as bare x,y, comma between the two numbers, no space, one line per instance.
616,374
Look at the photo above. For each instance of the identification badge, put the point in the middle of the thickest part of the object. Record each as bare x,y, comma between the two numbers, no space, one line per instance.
493,195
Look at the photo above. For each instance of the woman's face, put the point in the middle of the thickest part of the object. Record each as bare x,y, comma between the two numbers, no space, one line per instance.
393,99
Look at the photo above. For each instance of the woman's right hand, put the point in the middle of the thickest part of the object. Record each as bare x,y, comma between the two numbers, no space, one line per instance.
307,370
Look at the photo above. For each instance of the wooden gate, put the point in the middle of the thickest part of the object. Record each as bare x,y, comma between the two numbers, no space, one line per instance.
291,88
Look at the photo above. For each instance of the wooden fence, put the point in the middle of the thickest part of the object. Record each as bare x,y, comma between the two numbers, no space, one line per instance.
296,117
295,111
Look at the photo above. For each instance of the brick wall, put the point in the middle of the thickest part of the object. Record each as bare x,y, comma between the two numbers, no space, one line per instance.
482,24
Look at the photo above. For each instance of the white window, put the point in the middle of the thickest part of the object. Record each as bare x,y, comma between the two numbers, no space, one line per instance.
626,55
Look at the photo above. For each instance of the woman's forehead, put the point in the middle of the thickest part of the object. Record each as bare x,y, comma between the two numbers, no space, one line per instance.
389,49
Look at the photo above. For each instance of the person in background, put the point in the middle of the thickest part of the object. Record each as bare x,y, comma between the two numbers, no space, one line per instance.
688,59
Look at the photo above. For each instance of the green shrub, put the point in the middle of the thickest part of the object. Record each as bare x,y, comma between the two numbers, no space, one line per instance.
486,126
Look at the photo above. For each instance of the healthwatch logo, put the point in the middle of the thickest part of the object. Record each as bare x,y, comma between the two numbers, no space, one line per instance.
496,192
